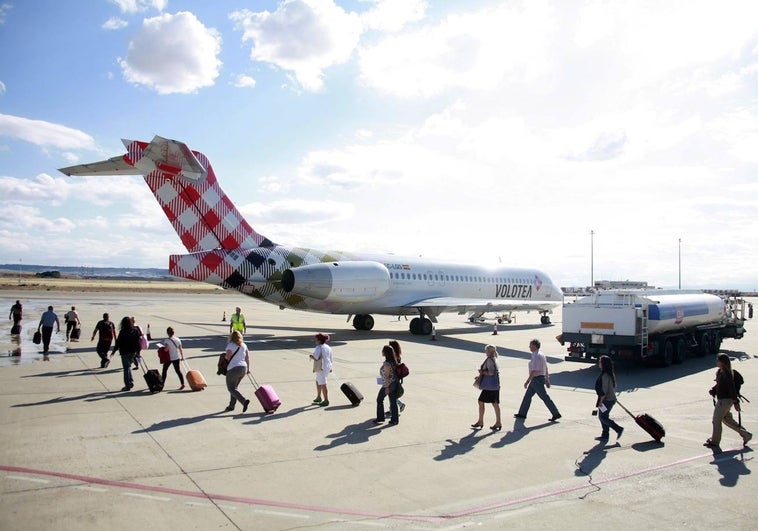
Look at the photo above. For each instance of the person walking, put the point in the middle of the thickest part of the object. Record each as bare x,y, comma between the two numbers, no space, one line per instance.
605,387
237,321
106,331
388,389
175,353
489,384
322,366
398,360
16,313
45,326
140,333
239,365
72,321
725,396
127,344
538,380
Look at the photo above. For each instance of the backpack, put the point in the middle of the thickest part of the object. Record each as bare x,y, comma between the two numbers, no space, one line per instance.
738,381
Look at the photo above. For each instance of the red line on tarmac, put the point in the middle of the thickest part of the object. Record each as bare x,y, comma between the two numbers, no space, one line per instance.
218,497
536,497
353,512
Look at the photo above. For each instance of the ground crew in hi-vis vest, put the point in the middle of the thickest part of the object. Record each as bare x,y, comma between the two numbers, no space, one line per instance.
237,322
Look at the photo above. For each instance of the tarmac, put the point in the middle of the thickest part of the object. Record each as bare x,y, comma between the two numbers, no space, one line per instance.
77,453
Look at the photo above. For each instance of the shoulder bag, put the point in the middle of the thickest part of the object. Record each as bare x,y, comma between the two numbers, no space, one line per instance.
223,363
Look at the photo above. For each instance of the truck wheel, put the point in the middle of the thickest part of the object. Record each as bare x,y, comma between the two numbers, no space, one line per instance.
667,353
705,345
681,351
716,343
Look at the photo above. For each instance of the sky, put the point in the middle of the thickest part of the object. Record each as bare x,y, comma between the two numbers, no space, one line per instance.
605,140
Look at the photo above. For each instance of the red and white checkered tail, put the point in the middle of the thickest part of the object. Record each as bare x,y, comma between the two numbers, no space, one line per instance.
185,186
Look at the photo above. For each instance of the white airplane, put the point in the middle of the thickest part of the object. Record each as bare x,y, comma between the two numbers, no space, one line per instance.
226,251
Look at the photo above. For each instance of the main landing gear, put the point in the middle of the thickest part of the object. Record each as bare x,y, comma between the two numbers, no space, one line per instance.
420,326
544,318
363,322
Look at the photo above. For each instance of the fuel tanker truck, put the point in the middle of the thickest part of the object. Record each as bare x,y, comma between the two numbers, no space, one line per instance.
650,325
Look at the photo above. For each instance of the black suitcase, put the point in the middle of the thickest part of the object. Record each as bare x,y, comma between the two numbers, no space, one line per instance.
352,393
75,333
37,338
647,423
152,377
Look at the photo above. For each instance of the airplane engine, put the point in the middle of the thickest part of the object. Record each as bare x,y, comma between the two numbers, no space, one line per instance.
348,281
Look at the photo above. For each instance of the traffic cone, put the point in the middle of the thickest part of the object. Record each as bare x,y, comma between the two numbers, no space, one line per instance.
223,319
149,335
494,329
434,334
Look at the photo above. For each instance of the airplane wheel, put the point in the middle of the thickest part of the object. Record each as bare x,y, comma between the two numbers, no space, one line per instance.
368,322
415,325
358,321
426,327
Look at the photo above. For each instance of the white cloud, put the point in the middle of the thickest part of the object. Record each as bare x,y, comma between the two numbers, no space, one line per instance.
173,54
471,50
4,9
393,15
304,37
137,6
44,134
114,23
243,81
2,88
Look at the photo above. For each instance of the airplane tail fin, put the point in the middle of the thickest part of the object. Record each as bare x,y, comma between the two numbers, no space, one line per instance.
184,184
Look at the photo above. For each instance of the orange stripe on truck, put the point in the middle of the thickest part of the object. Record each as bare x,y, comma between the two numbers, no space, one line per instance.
602,326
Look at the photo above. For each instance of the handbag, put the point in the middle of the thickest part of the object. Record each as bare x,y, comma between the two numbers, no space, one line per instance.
37,338
402,370
478,382
164,356
399,391
223,363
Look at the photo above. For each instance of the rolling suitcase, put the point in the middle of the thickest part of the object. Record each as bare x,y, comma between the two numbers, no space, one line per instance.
194,378
152,377
266,396
76,333
647,423
352,393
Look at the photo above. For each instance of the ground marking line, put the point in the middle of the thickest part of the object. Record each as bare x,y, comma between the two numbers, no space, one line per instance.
354,512
146,496
24,478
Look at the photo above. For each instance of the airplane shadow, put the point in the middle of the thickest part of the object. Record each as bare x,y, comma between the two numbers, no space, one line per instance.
463,445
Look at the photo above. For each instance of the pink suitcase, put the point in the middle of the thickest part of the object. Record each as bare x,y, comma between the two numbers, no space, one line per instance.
268,398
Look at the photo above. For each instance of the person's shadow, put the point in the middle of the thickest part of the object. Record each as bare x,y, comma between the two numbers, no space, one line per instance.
593,457
518,432
350,434
462,446
731,465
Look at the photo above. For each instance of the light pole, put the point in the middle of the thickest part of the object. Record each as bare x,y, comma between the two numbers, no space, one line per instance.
592,259
680,263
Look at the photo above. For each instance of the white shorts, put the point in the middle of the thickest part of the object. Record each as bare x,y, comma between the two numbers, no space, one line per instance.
321,377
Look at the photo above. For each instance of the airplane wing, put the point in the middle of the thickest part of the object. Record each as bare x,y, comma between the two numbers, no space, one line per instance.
487,305
113,166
